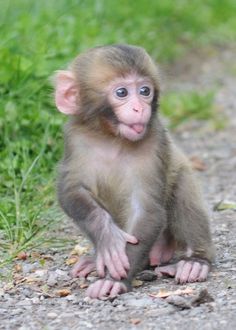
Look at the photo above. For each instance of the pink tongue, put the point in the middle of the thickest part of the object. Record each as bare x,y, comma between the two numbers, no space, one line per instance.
137,127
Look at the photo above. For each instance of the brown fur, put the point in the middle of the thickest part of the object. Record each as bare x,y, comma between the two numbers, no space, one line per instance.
105,173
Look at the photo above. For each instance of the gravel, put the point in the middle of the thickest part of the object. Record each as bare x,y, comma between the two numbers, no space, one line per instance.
42,295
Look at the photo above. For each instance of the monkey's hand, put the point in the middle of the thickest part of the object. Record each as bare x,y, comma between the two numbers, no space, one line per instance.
106,288
186,271
111,252
84,267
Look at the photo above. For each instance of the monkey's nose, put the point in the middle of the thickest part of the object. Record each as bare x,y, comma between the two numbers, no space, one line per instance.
138,110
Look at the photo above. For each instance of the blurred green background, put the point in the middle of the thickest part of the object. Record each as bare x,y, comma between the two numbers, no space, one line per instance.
38,37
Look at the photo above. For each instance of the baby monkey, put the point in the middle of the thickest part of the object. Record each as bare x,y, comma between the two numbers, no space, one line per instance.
122,180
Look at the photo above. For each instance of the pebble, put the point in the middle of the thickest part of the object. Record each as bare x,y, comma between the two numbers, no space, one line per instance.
141,302
147,275
35,300
24,303
52,279
179,302
28,267
15,311
52,315
27,292
71,297
41,273
62,275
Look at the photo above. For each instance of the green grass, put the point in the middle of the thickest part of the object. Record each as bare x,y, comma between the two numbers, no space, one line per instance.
38,37
180,107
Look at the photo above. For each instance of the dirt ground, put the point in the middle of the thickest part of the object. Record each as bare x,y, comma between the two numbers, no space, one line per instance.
42,294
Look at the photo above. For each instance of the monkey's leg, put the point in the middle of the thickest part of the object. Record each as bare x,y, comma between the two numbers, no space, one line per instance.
188,223
84,267
162,251
147,228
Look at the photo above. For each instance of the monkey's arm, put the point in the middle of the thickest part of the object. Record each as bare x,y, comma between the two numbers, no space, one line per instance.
109,240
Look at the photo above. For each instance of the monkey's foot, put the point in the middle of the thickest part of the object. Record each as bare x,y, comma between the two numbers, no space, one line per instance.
185,271
84,267
105,288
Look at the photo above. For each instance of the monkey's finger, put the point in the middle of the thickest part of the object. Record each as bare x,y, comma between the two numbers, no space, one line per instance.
117,289
124,259
118,264
196,269
87,270
184,272
81,264
204,273
110,266
100,266
105,289
94,289
130,238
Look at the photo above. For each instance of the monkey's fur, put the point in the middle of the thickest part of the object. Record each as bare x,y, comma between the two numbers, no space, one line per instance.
145,187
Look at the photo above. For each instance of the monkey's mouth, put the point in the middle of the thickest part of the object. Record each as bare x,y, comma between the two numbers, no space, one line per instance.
138,128
132,132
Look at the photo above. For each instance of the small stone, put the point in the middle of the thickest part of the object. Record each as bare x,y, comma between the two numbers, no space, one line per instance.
83,285
52,315
62,275
16,311
41,273
24,303
178,301
63,292
135,321
22,256
28,268
137,283
91,278
35,300
147,275
27,292
72,260
52,279
202,298
18,268
142,302
71,297
88,300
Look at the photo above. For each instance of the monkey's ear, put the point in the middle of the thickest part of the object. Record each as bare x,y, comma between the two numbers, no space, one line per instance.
66,92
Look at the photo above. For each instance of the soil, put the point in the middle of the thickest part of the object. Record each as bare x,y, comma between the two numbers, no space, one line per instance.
42,294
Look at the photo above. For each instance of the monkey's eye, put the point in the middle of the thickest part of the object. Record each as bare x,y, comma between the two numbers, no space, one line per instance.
121,92
145,91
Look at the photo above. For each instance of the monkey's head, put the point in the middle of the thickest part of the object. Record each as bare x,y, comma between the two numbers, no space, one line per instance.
113,89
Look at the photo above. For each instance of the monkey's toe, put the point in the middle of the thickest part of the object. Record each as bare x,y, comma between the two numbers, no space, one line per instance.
191,271
169,270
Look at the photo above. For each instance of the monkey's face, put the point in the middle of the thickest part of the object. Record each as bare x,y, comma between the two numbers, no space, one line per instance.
131,98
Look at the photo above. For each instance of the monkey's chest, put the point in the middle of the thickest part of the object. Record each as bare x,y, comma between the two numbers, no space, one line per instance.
113,189
118,181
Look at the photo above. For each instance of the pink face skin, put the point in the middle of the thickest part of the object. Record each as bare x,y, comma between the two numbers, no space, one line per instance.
131,99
